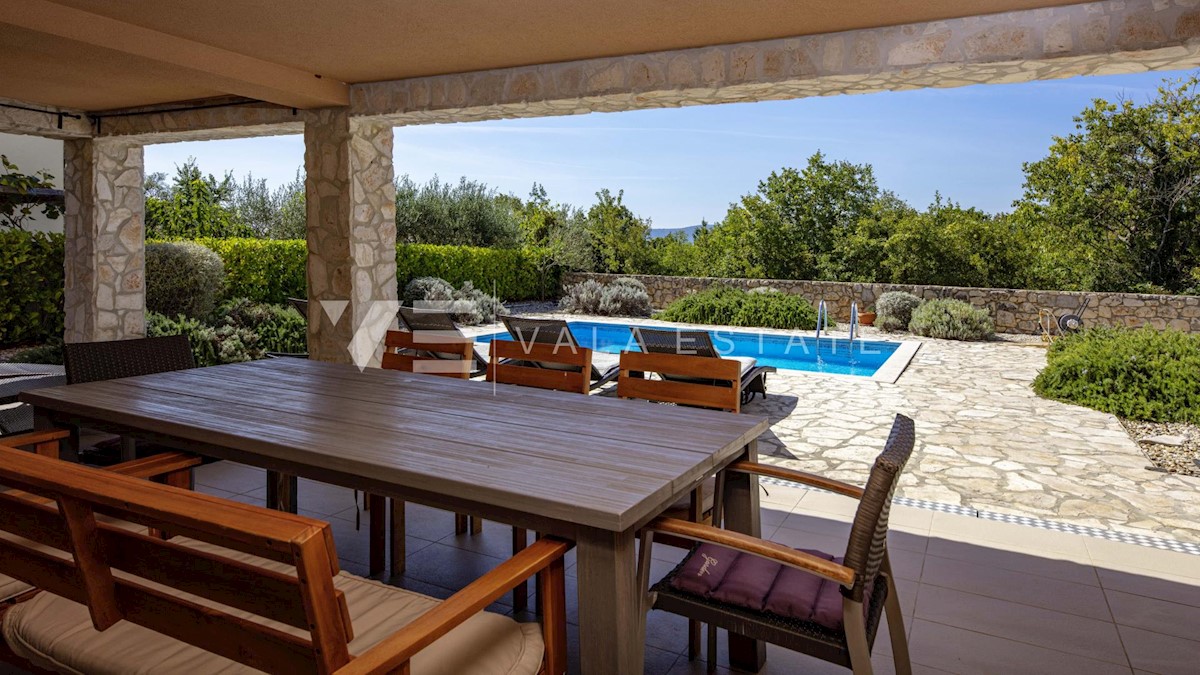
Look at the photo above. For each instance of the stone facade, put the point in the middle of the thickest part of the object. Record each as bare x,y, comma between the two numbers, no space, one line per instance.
1014,310
1093,38
104,223
351,200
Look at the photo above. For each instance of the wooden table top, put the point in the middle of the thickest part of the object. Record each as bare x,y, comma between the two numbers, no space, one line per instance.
588,460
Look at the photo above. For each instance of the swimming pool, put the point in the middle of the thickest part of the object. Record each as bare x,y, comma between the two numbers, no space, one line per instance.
877,359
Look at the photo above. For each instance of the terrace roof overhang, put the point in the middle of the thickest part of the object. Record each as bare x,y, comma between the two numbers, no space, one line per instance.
226,68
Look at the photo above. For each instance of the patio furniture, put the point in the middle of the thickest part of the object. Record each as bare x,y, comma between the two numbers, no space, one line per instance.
236,584
809,601
558,367
300,304
699,343
94,361
15,378
591,469
440,324
555,332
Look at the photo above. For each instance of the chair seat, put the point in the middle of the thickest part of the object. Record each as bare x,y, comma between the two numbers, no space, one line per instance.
56,634
729,577
746,363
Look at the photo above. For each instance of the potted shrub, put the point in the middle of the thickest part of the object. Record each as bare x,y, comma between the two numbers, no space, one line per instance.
867,316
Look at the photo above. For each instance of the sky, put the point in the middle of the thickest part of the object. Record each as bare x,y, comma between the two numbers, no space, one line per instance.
679,166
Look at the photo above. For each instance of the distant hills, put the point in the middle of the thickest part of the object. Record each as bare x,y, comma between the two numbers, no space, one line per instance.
688,232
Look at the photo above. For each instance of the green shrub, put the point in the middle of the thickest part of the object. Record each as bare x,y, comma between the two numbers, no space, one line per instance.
624,296
951,320
894,310
210,346
468,305
1140,374
31,286
183,277
49,353
427,289
733,307
513,273
279,328
263,270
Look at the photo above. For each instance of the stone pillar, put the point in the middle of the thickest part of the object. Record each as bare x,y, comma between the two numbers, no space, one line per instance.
351,200
104,223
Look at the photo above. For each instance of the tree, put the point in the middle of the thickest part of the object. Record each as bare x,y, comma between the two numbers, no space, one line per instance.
271,214
194,205
16,203
1119,199
620,239
466,214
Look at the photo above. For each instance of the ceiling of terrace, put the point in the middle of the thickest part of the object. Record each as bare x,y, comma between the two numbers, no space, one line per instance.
100,55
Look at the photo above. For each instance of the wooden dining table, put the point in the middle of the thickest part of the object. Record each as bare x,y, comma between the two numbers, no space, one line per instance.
592,469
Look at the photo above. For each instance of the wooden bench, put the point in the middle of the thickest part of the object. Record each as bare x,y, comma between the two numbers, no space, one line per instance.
232,584
561,367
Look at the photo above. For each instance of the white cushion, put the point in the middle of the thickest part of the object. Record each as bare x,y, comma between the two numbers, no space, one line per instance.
56,634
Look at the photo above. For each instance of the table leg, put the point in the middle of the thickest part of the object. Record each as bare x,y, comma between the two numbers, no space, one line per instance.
128,448
281,492
611,633
742,515
68,448
377,527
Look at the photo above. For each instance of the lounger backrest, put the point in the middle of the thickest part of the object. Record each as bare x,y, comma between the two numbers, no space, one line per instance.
433,353
686,380
536,364
868,534
95,361
421,319
687,342
113,571
544,331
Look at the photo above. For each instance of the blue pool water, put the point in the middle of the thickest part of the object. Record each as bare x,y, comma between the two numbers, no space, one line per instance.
791,352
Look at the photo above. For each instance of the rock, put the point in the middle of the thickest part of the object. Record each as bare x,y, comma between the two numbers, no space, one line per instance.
1174,441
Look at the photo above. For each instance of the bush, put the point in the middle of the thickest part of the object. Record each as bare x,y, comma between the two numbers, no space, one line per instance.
183,278
211,346
733,307
893,310
951,320
31,286
279,328
624,296
513,273
263,270
49,353
1140,374
468,305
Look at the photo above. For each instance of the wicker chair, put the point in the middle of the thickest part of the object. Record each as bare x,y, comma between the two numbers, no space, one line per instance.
96,361
699,343
555,332
809,601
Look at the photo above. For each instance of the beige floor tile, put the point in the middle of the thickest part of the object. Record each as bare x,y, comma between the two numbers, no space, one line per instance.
827,502
956,650
1185,590
1119,556
906,564
963,528
1158,653
1042,563
839,525
1024,623
1027,589
1160,616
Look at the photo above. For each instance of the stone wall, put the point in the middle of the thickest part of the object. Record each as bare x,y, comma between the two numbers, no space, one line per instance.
1014,310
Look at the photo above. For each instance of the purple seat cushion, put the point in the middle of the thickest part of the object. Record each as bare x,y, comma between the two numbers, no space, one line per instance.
732,577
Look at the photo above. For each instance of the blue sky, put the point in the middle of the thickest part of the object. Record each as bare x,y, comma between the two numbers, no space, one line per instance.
680,165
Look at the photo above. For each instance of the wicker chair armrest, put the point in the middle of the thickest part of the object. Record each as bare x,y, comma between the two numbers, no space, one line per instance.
805,562
795,476
393,653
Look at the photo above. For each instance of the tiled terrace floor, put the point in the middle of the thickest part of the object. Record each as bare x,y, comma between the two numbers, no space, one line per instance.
984,439
979,596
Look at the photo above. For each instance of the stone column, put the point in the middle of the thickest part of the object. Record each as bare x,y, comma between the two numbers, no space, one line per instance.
104,223
351,200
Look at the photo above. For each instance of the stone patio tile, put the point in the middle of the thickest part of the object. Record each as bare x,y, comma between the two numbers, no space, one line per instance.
1152,585
1007,557
1152,614
958,650
1117,556
1015,586
1157,653
964,528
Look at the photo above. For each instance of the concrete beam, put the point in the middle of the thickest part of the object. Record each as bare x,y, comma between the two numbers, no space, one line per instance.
229,71
30,119
1094,38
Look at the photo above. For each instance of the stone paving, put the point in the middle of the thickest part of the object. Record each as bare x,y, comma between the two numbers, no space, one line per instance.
985,440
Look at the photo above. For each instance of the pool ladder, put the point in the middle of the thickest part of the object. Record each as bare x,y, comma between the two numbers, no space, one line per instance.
853,323
822,317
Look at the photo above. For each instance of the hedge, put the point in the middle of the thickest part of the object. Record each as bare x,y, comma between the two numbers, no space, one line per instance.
263,270
31,286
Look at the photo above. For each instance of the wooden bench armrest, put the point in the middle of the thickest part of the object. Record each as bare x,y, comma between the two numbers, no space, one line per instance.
35,438
805,562
795,476
393,653
158,465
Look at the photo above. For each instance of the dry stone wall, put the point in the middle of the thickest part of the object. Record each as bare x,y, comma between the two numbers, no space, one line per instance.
1014,310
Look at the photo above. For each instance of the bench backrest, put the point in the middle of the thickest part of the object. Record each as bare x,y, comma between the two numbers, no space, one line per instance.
429,352
112,570
702,381
562,367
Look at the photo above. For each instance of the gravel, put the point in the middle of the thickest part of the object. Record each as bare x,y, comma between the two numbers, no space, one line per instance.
1172,459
